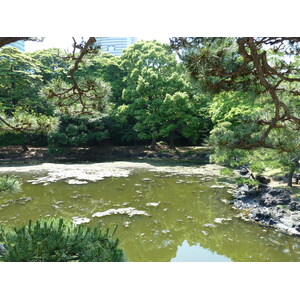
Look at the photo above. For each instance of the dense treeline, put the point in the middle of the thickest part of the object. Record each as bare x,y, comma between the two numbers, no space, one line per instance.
143,96
241,96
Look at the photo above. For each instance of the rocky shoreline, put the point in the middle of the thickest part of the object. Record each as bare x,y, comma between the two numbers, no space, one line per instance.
269,206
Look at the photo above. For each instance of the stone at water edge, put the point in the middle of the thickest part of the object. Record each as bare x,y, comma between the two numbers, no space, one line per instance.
78,220
126,224
221,220
73,181
130,211
154,204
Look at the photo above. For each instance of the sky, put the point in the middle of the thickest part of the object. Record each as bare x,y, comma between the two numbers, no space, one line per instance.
65,43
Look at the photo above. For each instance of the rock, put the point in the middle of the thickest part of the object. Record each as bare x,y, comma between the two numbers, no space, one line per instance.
126,224
244,171
181,181
297,178
217,186
210,225
262,179
146,179
77,220
154,204
267,206
130,211
263,216
245,188
294,206
221,220
73,181
273,197
25,198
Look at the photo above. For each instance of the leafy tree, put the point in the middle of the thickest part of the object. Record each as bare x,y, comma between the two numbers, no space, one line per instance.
256,83
20,106
51,64
107,67
19,79
153,77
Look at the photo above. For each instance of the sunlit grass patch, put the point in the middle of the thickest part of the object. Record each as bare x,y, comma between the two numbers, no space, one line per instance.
9,183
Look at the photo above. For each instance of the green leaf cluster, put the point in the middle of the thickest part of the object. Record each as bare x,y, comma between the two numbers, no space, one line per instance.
78,130
10,183
58,240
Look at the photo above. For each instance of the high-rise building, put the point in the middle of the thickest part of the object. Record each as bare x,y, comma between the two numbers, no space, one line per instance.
20,45
114,45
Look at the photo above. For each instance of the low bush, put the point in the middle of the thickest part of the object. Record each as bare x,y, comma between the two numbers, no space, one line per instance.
248,181
9,183
227,171
58,240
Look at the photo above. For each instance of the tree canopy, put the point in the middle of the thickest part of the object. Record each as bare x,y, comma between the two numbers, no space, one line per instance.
254,83
240,94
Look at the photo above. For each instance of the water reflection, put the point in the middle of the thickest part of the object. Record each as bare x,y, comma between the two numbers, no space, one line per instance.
188,253
182,227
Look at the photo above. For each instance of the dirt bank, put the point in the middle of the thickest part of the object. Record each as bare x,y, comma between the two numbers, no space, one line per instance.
15,153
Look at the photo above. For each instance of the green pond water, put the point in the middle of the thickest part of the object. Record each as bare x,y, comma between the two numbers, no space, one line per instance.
180,219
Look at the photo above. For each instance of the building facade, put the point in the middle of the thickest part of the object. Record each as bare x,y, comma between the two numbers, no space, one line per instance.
114,45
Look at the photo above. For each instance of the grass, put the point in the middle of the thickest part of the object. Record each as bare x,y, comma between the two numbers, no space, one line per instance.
9,183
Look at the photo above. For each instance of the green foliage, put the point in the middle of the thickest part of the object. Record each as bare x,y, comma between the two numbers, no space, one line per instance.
19,81
120,128
51,64
20,103
157,93
227,172
250,182
58,240
105,66
9,183
28,121
93,97
77,131
34,139
254,83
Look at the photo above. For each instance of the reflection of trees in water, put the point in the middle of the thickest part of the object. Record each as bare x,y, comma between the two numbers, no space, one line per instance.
235,239
186,205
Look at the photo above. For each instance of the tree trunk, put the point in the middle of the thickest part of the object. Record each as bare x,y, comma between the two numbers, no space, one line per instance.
153,144
172,144
24,148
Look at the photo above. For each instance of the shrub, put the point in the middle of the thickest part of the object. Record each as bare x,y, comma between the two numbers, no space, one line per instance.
227,171
58,240
78,131
248,181
9,183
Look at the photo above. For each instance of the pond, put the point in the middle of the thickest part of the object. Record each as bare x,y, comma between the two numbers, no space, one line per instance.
164,211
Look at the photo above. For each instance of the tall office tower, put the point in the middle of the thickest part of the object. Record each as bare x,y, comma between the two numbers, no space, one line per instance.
115,45
20,45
